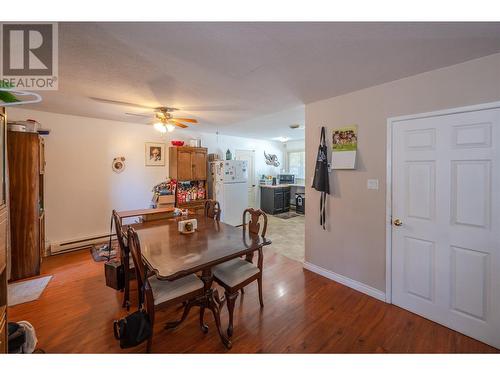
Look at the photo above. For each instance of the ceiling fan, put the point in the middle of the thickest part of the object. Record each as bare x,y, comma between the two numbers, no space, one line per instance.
163,118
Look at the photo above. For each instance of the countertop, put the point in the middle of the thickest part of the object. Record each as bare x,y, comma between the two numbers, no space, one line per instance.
281,186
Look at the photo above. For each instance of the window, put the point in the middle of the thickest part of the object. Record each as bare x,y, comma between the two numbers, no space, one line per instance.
297,163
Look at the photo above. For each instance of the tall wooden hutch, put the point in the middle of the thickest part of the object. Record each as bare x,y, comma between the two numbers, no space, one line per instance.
3,234
26,157
189,164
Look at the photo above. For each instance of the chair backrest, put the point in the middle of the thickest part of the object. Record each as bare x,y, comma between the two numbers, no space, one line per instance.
140,268
253,224
120,235
212,209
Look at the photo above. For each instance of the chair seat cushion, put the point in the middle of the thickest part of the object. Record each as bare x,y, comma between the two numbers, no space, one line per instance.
235,271
164,291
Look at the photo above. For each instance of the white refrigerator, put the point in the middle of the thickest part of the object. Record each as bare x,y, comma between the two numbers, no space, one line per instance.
229,180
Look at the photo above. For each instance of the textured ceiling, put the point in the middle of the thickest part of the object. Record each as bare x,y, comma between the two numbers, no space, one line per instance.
248,79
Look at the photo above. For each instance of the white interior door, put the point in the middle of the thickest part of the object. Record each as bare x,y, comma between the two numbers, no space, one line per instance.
446,193
249,156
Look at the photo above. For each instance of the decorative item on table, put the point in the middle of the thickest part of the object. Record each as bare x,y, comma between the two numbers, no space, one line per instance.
188,191
195,142
344,147
271,159
229,156
180,212
155,154
177,143
187,226
118,164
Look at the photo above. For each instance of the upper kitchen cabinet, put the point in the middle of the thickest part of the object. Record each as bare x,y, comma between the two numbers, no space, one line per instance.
188,163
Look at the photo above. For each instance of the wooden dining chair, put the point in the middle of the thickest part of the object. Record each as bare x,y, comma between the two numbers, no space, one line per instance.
235,274
156,294
212,209
124,258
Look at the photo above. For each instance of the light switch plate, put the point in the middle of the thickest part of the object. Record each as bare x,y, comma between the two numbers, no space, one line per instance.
372,184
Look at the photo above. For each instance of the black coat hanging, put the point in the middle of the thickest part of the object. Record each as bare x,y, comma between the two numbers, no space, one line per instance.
321,179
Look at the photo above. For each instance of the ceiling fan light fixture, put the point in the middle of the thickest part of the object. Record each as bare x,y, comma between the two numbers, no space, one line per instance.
160,127
170,127
282,139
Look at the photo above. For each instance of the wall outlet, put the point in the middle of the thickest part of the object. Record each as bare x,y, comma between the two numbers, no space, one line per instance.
372,184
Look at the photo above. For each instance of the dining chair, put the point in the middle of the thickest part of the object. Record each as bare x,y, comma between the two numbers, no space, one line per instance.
124,258
212,209
235,274
156,294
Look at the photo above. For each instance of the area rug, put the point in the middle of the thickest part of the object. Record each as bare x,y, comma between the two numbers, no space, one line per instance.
26,291
287,215
101,253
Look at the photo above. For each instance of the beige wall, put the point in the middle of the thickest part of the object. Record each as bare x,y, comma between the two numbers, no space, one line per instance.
354,244
80,187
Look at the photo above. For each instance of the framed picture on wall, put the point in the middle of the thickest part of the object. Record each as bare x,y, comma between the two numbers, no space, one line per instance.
155,154
344,147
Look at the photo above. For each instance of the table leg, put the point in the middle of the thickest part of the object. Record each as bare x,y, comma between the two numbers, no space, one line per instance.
211,304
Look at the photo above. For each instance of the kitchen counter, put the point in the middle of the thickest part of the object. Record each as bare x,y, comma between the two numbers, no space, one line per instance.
279,186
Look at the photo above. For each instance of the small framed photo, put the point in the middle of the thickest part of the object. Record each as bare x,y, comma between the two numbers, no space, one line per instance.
155,154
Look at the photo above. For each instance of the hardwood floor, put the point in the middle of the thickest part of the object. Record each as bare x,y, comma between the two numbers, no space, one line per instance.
303,313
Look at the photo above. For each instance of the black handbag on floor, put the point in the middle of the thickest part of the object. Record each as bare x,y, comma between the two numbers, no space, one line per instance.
133,329
321,179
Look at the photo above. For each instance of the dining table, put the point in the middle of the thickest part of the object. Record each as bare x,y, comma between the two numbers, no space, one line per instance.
170,254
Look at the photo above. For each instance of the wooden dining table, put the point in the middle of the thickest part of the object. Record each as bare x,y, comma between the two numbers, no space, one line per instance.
172,255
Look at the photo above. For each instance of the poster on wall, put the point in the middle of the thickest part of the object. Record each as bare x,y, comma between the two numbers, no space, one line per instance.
344,147
155,154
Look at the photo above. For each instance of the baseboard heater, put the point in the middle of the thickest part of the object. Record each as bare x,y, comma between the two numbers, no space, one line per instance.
77,244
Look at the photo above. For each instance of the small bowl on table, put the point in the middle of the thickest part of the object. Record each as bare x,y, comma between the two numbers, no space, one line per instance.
177,143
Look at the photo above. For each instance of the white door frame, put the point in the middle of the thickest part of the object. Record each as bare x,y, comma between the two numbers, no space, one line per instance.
388,207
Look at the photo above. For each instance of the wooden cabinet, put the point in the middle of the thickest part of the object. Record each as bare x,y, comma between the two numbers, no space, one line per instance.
3,238
188,163
26,171
184,168
199,160
275,200
4,226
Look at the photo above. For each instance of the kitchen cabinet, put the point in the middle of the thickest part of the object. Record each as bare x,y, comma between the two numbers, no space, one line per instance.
188,163
274,200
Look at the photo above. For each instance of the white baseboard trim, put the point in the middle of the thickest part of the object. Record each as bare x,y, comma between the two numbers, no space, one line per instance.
356,285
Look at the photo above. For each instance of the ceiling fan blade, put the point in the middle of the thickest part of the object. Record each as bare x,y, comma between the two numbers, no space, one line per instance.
191,120
179,124
117,102
212,108
137,114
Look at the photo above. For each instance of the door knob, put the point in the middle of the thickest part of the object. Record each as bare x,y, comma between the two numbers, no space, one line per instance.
397,222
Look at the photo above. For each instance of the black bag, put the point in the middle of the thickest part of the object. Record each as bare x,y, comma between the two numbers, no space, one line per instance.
321,180
16,337
133,329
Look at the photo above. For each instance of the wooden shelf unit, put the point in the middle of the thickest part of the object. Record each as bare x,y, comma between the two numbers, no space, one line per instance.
189,164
